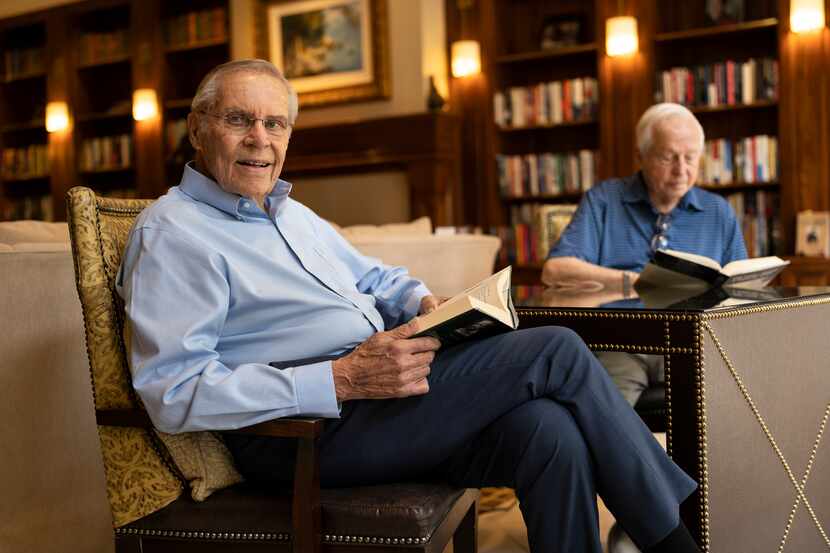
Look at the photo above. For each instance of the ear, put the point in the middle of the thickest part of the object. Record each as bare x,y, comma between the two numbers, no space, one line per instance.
638,157
193,131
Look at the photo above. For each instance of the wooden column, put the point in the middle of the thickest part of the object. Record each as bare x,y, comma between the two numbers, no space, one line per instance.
626,88
471,99
803,121
61,56
147,69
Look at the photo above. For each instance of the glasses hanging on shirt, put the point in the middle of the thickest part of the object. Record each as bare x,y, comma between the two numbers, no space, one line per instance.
660,240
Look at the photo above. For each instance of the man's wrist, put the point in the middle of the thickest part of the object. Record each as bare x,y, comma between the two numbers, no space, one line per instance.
626,283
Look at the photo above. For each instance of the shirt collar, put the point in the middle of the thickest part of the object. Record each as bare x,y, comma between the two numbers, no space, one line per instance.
636,192
204,189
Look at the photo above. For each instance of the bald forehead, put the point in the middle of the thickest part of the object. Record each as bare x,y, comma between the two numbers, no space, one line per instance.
227,80
675,125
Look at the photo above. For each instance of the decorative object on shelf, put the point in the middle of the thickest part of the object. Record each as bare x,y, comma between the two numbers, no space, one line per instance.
813,234
466,58
57,116
723,12
145,104
332,51
621,36
561,30
806,15
435,102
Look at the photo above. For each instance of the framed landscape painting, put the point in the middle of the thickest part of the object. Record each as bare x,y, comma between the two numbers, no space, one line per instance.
331,51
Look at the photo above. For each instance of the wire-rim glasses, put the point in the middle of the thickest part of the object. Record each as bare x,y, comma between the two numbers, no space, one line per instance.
240,122
660,240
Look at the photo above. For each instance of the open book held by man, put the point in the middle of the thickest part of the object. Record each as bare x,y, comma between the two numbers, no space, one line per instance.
479,311
670,268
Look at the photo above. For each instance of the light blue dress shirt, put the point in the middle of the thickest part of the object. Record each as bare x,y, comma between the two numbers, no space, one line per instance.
215,289
615,223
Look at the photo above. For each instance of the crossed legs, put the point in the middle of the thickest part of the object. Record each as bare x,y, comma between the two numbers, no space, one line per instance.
530,409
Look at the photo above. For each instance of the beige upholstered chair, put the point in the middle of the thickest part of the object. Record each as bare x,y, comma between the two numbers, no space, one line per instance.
145,487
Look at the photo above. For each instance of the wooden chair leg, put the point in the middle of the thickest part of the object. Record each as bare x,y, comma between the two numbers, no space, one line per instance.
464,539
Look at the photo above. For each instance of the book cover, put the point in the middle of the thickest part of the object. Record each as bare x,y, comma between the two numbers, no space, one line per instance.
670,268
478,312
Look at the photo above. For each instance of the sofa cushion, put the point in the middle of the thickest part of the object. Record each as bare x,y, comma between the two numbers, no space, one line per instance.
421,226
12,232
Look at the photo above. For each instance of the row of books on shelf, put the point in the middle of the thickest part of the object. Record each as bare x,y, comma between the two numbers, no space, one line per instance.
757,214
534,230
747,160
27,207
724,83
196,26
551,103
21,163
23,61
106,152
95,47
546,174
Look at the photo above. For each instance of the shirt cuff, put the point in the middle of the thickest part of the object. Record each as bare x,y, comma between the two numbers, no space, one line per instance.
413,304
314,385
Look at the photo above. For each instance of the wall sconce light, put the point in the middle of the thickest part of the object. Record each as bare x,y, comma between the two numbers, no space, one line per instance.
621,35
466,58
145,104
806,15
57,116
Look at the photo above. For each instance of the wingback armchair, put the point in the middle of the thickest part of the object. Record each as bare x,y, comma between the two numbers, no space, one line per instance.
145,487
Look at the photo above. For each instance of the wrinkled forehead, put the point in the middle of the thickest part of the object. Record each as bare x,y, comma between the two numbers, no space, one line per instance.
252,92
676,132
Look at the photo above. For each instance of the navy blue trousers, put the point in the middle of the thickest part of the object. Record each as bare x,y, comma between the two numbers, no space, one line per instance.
530,409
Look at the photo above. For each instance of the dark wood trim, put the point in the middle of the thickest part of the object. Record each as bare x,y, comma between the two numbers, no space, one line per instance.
136,418
715,31
580,49
427,146
284,428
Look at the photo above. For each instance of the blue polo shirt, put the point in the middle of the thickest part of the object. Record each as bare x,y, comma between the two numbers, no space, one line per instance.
615,223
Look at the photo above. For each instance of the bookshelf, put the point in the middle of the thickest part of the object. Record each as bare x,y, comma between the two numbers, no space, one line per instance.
671,35
733,90
544,118
24,180
93,55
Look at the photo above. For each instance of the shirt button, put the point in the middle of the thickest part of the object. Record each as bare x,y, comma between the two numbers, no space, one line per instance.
246,205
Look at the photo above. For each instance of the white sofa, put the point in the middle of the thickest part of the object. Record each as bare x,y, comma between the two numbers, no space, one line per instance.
51,475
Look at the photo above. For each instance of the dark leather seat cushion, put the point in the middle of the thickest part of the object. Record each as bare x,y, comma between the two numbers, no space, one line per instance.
411,510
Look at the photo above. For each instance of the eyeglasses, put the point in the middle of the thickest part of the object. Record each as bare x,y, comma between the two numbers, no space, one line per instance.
660,240
240,123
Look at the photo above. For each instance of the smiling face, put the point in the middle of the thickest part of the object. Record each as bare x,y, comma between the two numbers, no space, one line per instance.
671,164
243,161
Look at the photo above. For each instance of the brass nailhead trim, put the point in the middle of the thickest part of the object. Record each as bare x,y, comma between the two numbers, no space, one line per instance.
703,450
766,308
610,315
266,536
667,370
799,488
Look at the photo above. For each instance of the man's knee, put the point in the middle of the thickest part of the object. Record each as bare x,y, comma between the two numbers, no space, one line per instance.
547,431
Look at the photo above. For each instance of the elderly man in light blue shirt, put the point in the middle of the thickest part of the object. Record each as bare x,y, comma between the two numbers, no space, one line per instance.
226,274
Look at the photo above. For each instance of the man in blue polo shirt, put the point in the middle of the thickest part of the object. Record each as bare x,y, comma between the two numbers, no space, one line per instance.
622,221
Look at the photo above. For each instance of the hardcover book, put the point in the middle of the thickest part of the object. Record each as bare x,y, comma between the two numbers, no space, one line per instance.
672,268
480,311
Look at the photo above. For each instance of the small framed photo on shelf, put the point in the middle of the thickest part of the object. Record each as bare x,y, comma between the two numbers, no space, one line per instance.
561,30
723,12
813,234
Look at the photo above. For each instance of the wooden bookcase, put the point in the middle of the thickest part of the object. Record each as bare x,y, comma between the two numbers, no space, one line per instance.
93,55
671,34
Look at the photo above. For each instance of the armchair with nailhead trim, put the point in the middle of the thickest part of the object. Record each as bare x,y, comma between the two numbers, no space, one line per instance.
144,486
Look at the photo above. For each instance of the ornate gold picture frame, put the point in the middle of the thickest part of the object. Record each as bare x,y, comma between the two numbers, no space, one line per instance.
331,51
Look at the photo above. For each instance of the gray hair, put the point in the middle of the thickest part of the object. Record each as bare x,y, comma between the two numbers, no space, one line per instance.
207,95
661,112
